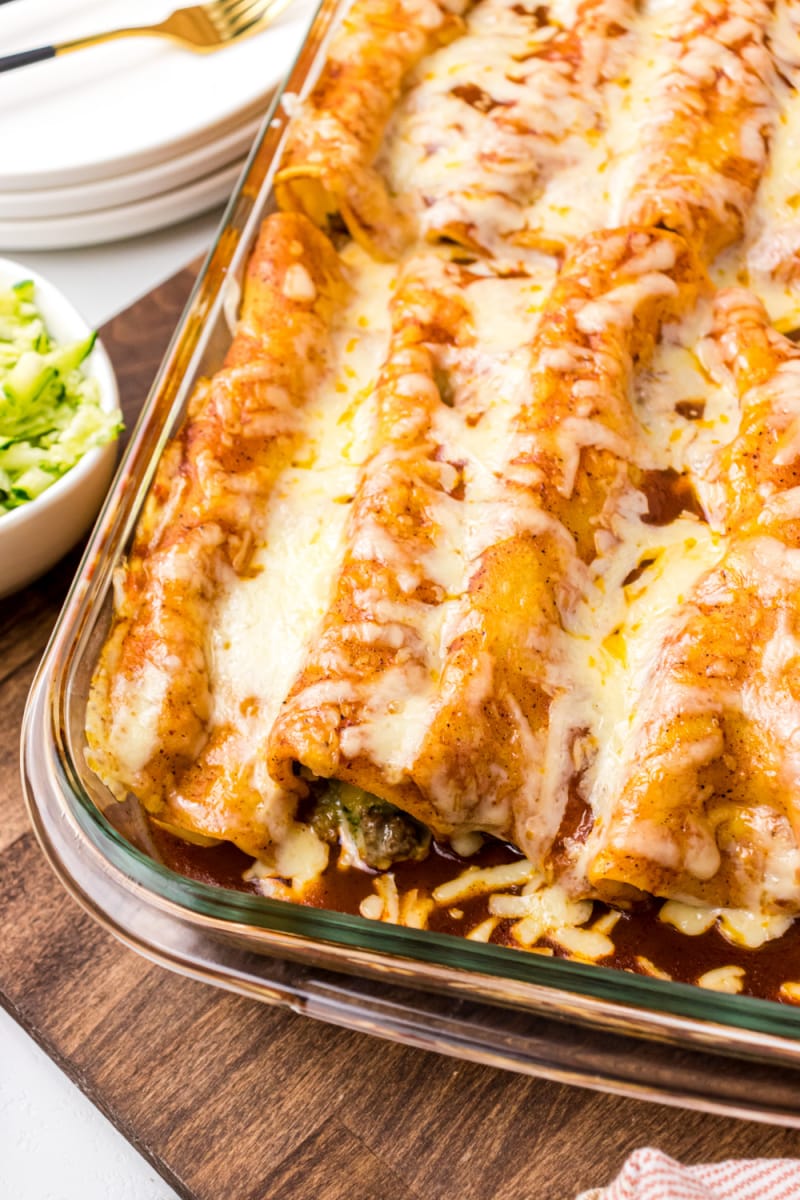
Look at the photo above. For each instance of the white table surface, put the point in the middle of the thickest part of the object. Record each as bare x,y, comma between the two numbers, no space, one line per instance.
54,1144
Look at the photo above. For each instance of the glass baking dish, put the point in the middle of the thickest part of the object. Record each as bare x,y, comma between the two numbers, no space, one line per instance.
567,1021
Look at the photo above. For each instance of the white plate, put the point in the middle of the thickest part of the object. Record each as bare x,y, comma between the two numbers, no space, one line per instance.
126,105
133,187
125,220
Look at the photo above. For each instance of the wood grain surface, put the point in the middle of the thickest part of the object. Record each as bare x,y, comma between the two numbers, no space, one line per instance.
232,1100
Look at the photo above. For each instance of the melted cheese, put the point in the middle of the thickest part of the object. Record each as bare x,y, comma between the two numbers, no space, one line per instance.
476,881
541,911
300,857
772,246
135,731
302,530
499,137
743,928
617,631
723,979
502,131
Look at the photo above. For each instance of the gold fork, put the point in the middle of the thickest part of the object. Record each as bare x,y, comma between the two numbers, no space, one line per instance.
201,27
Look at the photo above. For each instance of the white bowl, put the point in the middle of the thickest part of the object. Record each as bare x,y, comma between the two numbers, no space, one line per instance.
36,535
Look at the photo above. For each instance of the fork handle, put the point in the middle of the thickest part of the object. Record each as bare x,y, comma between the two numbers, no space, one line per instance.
10,62
25,57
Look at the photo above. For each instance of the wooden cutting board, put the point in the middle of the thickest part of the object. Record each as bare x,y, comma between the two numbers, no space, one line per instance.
231,1100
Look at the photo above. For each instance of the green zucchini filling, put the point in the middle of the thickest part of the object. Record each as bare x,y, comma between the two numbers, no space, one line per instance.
379,833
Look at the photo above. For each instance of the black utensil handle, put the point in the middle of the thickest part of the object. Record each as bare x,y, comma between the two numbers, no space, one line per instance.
10,62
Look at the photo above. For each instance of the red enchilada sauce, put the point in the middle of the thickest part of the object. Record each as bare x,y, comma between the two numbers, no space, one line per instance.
640,939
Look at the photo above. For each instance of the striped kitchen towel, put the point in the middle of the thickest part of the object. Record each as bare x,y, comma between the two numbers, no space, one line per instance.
650,1175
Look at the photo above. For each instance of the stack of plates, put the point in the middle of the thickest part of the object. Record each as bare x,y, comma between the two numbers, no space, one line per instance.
129,136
